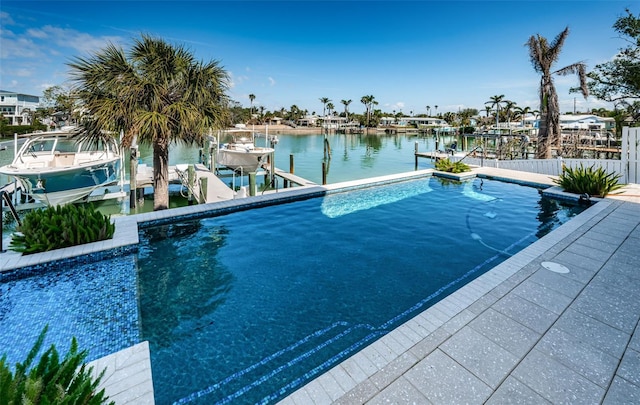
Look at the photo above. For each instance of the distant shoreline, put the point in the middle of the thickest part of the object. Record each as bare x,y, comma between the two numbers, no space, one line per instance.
285,129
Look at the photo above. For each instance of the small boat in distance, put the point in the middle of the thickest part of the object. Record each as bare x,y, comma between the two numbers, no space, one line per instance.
241,153
57,168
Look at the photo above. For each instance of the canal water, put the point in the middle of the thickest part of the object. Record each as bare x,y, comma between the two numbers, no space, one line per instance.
352,157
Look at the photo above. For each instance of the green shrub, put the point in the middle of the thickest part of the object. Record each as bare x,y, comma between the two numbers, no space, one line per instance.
7,131
51,381
445,165
594,182
61,226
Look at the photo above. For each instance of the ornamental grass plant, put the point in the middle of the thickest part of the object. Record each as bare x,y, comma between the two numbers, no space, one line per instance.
446,165
61,226
588,180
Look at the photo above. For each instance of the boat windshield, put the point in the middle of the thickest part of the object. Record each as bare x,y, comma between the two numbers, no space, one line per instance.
42,145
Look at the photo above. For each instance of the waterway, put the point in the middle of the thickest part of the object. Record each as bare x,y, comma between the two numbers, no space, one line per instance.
352,157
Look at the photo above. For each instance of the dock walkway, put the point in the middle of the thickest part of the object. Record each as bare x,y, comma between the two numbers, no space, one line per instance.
292,178
216,191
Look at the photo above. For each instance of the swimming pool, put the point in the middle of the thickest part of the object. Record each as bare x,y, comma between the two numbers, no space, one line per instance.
249,306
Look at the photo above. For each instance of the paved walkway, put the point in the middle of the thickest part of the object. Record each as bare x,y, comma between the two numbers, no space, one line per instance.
556,323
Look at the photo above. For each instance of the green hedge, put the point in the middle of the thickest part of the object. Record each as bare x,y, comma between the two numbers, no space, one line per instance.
7,131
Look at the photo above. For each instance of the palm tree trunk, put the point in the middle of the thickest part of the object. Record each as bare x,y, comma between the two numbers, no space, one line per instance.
160,175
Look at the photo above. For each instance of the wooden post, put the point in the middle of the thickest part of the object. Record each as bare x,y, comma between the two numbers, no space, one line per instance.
415,154
191,178
252,183
133,174
212,159
204,184
324,173
291,167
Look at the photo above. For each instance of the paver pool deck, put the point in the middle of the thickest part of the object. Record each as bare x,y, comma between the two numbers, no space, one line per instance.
521,333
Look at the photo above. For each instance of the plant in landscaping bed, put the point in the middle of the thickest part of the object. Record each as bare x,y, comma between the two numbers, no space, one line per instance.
445,165
51,381
588,180
61,226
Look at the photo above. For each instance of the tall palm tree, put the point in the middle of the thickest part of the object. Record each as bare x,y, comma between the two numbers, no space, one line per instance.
436,110
251,98
428,110
346,108
156,92
543,56
369,102
324,101
495,101
508,109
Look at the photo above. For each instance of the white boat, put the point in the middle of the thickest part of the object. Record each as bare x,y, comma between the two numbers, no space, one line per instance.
241,153
58,168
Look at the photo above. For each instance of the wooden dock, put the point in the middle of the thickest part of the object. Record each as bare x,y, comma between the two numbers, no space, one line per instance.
292,178
437,155
213,189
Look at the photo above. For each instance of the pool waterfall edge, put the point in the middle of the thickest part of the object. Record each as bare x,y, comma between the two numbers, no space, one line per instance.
126,240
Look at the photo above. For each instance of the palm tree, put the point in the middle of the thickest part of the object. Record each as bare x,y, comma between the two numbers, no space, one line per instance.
330,108
368,102
522,113
156,92
251,98
436,110
543,55
324,101
428,110
495,101
346,108
508,108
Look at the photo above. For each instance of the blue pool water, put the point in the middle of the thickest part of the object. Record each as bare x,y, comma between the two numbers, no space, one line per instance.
249,306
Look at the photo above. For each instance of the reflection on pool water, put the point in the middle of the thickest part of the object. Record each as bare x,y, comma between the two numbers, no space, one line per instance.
247,307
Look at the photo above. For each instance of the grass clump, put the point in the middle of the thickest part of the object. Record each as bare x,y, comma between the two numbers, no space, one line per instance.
61,226
588,180
446,165
51,381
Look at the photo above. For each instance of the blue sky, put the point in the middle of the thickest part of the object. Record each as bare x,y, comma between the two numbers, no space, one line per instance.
408,55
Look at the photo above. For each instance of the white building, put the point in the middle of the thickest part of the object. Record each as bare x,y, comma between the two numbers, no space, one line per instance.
574,122
586,121
419,122
17,107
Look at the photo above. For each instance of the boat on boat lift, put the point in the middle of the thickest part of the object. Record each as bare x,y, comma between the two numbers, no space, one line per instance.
60,167
241,153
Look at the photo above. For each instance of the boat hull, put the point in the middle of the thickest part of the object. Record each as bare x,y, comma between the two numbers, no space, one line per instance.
243,160
65,185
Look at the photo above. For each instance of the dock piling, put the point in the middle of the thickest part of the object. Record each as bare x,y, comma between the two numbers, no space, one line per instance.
133,173
252,184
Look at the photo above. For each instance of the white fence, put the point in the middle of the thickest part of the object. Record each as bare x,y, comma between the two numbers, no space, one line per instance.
631,154
628,167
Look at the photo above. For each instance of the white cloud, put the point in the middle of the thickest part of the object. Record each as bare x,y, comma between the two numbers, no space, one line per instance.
5,19
272,81
69,38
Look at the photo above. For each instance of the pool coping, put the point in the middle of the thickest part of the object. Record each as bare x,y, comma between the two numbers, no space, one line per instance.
126,239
